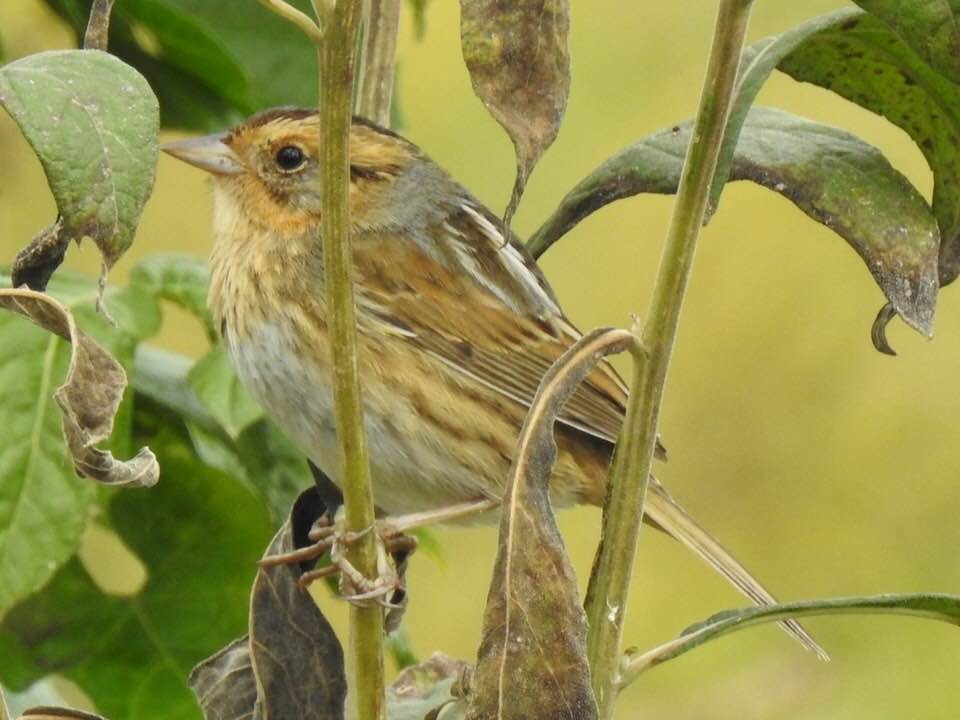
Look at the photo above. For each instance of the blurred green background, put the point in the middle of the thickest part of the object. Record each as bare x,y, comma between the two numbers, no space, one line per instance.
828,468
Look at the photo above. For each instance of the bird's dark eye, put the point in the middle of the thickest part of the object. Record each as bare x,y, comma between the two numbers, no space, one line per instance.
290,157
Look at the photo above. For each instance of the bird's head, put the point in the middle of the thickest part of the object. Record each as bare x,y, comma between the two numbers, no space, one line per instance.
267,169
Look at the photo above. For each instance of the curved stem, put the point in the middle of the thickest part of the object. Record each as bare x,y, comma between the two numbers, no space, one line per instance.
300,19
610,580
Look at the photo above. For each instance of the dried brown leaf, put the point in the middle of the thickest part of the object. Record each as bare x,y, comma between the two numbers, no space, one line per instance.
291,663
57,713
35,264
89,397
430,690
519,63
224,683
98,25
532,661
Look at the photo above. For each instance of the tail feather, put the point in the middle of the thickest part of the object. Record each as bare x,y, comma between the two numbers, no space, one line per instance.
663,511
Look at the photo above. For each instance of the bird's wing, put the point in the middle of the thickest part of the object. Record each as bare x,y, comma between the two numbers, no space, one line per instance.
479,304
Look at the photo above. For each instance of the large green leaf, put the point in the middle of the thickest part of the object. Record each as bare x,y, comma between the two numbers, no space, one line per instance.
933,606
211,62
260,457
44,506
93,121
181,279
831,175
199,534
865,61
219,389
930,27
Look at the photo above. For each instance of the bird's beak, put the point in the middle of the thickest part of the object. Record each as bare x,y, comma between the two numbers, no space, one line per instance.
209,153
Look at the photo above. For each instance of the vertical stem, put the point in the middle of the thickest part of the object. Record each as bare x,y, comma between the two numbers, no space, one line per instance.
379,54
341,24
613,566
98,25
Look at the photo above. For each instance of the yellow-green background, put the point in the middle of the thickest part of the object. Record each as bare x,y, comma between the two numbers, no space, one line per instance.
830,469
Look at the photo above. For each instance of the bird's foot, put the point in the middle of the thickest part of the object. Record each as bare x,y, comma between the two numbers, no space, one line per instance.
328,536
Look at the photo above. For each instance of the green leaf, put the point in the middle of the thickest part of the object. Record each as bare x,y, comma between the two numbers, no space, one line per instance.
933,606
930,27
831,175
219,389
261,457
44,506
180,279
211,62
199,535
759,60
865,61
93,121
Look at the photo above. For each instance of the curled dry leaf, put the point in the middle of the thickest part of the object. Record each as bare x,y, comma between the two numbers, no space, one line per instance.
291,663
34,265
89,397
532,661
519,63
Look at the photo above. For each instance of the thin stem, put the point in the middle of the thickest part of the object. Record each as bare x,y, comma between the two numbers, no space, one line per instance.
337,58
379,54
300,19
98,25
613,566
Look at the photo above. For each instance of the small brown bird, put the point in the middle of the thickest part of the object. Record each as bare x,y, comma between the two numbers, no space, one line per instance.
456,326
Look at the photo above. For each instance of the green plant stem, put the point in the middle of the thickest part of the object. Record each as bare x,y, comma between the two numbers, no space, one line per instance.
613,566
379,56
298,18
341,24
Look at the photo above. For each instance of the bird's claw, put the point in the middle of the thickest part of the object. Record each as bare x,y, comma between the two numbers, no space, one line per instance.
329,536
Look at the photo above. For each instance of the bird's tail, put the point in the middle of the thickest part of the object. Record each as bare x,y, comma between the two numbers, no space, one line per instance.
666,513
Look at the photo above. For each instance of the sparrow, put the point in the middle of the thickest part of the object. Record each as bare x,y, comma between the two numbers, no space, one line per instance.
456,325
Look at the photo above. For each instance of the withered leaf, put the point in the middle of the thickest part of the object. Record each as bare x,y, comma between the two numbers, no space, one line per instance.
89,397
429,690
532,661
519,63
291,663
98,26
34,265
224,683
